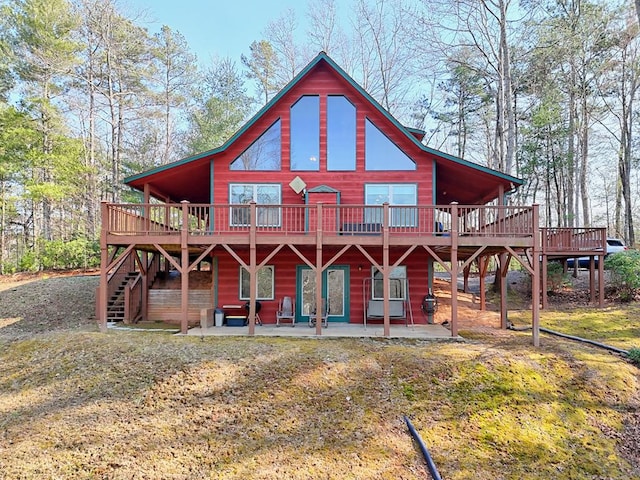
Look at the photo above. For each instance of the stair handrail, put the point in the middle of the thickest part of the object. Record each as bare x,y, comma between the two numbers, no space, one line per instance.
132,300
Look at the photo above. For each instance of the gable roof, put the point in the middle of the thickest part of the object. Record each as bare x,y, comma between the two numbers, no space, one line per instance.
457,179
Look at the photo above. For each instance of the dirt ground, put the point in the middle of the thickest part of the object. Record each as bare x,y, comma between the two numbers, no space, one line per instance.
41,304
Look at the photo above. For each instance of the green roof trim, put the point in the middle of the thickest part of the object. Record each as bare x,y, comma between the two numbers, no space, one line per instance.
322,189
322,56
244,128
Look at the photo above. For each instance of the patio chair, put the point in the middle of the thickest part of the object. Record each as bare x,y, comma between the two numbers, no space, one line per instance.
286,311
324,318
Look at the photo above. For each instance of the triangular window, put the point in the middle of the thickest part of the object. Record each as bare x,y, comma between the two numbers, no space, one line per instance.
381,153
263,154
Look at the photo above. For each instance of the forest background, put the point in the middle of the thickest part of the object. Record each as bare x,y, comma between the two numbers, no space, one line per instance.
543,90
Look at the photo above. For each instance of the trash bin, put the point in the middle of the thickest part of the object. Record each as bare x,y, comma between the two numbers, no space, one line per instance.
219,316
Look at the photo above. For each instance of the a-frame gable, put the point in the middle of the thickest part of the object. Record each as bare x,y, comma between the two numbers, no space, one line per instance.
171,182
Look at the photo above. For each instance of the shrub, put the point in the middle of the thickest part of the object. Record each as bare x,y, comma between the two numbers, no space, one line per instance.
59,255
634,356
625,273
77,253
556,276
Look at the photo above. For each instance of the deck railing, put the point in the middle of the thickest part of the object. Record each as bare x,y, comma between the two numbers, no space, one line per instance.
564,239
367,220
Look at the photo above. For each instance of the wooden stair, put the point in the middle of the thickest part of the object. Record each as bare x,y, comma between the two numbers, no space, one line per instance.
115,305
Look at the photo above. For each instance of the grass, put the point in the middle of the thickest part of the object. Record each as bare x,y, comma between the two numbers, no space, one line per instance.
617,325
75,403
136,405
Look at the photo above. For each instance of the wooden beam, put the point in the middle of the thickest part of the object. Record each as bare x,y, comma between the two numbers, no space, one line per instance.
270,256
403,256
184,273
503,259
236,256
369,257
335,257
168,257
454,269
201,257
386,271
302,257
318,270
253,270
535,280
437,258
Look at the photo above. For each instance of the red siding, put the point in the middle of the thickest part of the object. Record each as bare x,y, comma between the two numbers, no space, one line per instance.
286,261
324,81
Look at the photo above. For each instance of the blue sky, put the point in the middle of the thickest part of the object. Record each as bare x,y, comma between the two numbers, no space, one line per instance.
216,27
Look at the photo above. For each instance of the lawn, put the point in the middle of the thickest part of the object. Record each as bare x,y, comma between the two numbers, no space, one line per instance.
75,403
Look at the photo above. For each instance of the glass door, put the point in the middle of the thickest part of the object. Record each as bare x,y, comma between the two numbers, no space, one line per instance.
335,288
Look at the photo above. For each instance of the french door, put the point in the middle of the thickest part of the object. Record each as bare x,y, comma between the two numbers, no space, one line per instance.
335,289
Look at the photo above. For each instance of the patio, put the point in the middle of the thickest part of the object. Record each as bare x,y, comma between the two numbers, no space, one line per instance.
335,330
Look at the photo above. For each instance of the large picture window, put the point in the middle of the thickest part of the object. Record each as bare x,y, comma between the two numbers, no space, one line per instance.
262,194
380,153
305,134
265,283
341,134
397,283
401,196
263,154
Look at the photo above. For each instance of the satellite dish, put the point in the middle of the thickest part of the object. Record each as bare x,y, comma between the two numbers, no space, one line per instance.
297,185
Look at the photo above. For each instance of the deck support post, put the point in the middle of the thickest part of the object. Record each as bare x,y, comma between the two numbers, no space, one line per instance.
184,269
502,269
544,274
466,271
253,274
483,261
319,240
386,286
603,242
104,264
592,280
535,281
454,269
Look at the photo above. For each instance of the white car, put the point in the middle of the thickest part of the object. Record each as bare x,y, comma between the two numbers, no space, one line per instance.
614,245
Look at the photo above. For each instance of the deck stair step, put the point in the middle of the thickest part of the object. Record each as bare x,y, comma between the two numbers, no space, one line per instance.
115,304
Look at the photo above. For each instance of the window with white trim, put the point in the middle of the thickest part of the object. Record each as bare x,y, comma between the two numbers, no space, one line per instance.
265,279
401,196
397,284
262,194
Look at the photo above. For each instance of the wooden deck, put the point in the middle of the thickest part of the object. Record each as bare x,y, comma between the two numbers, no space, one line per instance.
172,225
453,235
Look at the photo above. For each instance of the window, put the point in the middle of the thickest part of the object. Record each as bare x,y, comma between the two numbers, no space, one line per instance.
262,194
263,154
265,283
380,153
397,195
341,134
305,134
397,283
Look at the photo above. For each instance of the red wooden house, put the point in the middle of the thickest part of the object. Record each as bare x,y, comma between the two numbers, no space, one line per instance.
322,187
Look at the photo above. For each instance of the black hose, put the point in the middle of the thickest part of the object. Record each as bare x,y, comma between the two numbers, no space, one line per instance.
585,340
423,448
572,337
